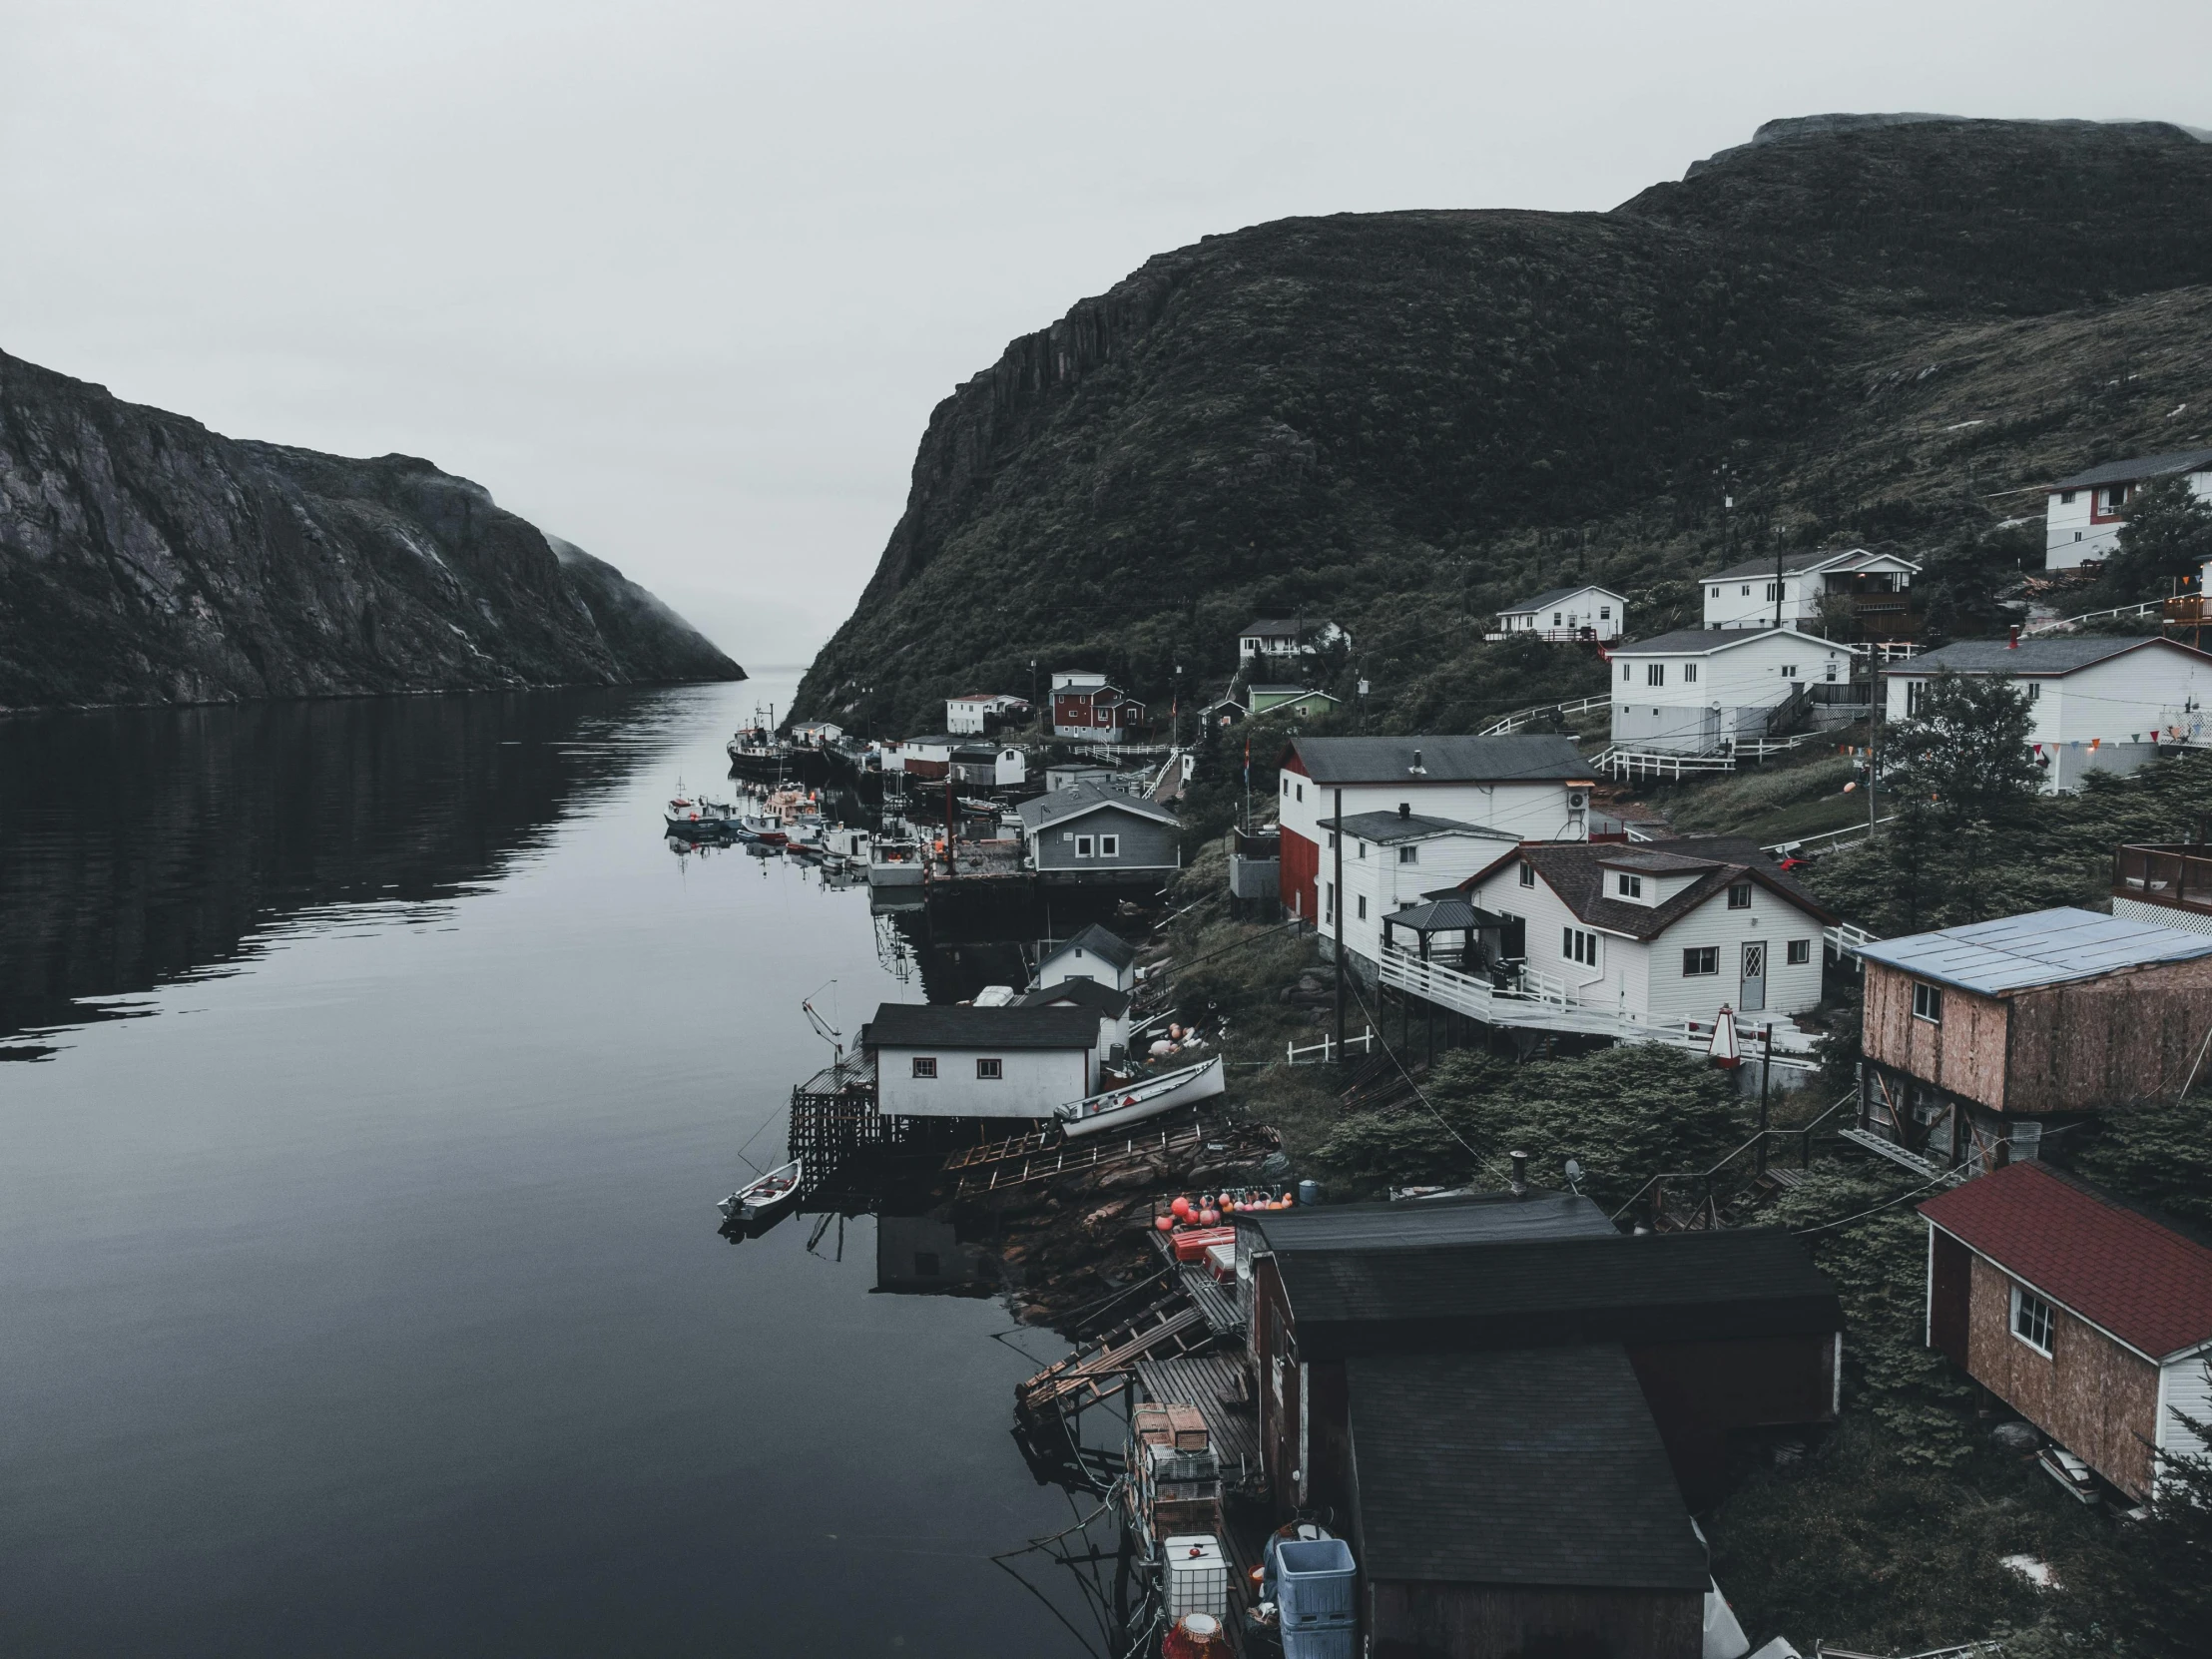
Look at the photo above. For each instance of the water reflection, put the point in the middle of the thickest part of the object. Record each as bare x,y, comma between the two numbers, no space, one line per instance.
139,847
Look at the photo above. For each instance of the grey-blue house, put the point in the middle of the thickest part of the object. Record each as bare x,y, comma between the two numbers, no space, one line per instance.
1100,837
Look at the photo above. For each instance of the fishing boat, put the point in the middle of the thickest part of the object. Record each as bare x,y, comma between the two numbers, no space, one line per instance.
1138,1101
894,861
694,818
768,1196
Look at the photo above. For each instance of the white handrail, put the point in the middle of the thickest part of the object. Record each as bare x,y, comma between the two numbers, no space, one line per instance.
1522,716
2047,624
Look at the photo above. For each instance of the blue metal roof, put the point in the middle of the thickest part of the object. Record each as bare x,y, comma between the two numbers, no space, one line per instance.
2043,947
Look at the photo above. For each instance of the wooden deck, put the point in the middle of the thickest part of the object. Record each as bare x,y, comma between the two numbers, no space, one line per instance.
999,1165
1169,1327
1217,1383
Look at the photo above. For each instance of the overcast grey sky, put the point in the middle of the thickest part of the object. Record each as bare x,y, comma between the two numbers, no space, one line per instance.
681,281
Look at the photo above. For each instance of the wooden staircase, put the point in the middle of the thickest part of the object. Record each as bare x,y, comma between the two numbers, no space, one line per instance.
1169,1327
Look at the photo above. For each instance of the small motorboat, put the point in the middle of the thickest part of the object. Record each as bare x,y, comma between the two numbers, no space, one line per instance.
768,1196
697,818
1137,1101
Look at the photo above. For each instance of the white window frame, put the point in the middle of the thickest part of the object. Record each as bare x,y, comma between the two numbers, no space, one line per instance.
1798,954
990,1071
1578,945
1109,846
1410,853
1739,896
1527,873
2035,1313
1361,900
1689,674
1086,847
925,1068
1928,1003
1655,674
1631,886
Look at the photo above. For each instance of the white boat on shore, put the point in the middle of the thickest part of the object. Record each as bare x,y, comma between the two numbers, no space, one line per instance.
1138,1101
765,1197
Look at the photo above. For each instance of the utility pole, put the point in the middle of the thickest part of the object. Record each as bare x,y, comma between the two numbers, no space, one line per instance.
1766,1070
1777,581
1875,696
1336,916
1036,708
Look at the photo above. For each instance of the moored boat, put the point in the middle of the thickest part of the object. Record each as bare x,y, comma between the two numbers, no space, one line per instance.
1138,1101
894,861
770,1195
696,817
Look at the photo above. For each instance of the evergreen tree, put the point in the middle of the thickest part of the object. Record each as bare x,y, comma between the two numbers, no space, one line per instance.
2155,1598
1964,754
2167,537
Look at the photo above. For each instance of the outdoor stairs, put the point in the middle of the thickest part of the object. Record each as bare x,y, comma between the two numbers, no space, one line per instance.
997,1166
1167,1329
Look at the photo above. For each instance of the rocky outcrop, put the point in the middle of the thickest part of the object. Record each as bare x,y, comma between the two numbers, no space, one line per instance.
146,559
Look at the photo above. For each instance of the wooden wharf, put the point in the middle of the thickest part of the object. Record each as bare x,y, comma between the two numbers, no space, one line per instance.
1169,1327
995,1166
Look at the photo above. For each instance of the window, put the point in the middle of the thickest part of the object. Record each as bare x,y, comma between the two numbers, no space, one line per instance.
1109,846
925,1065
1578,947
1912,698
1774,589
1528,875
1286,786
1747,591
1739,896
1363,846
1555,619
1605,613
1699,959
1408,854
1801,952
1832,668
1627,673
2035,690
2031,1319
2065,498
1689,674
1716,593
1655,674
989,1071
1302,792
1789,671
1363,904
1927,1004
1328,902
1632,886
1086,847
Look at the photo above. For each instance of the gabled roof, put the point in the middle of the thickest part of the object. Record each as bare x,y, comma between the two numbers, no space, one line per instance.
936,1025
1705,642
2122,1271
1079,993
1651,860
1555,596
1450,760
2040,947
1537,1467
2140,466
1575,870
1468,1218
2043,656
1279,627
1110,948
1386,828
1660,1286
1080,799
1808,564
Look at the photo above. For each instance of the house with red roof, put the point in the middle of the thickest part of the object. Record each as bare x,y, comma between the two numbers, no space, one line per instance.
2090,1318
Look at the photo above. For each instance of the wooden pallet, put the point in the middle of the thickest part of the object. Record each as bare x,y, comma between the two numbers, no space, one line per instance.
1169,1327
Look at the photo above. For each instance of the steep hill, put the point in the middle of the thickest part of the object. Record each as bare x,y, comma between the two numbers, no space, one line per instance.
146,559
1863,331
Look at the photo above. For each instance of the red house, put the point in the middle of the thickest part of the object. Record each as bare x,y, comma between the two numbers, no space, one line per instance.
2089,1318
1086,707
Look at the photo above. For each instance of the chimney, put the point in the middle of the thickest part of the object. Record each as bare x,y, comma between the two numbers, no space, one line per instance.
1416,767
2013,644
1520,1161
1404,809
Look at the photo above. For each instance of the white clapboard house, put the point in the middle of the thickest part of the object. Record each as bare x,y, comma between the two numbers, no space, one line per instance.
1660,932
1525,788
1798,590
1391,863
2082,515
1090,953
2098,704
937,1061
1700,691
1588,612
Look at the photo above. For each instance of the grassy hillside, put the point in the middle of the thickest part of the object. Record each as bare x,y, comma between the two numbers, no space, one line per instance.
1403,420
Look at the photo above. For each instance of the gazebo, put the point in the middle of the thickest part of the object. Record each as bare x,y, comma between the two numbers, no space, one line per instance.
1452,931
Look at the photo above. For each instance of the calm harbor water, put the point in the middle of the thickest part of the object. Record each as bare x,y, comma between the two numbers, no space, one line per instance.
376,1068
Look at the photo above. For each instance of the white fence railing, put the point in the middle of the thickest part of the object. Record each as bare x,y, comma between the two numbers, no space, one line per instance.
1845,939
1542,1002
1320,1053
2051,624
1522,716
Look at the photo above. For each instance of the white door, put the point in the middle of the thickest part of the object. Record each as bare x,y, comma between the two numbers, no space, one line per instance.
1754,997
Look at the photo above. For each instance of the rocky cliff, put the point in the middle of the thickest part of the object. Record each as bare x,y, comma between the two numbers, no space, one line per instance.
146,559
1857,330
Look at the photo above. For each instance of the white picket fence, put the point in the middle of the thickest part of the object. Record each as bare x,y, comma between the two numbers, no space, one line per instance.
1320,1053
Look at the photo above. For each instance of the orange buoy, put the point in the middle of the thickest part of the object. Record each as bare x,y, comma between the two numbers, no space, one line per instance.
1165,1224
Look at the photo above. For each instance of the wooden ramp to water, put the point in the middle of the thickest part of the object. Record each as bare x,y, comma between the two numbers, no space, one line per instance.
1167,1329
1026,1158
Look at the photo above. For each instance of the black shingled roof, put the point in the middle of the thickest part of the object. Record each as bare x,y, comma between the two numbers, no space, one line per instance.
1670,1286
1083,994
1536,1468
1553,596
2046,656
1470,1217
1099,942
1575,870
927,1025
1386,827
1449,760
2140,466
